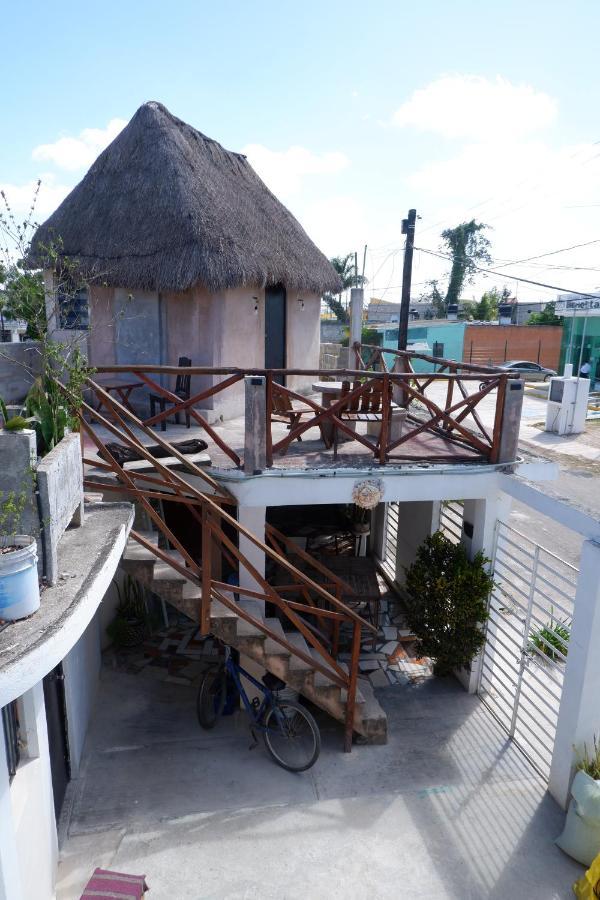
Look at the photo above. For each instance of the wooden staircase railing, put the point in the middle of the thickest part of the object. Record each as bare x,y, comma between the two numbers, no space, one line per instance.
206,506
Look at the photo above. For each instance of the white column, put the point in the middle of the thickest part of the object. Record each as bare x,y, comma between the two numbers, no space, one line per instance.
416,520
479,523
252,518
10,875
579,712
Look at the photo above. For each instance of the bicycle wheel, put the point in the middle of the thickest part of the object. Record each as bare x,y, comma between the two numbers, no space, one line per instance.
211,697
292,737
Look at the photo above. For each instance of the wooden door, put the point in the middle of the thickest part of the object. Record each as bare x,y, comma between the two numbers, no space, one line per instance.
275,328
54,698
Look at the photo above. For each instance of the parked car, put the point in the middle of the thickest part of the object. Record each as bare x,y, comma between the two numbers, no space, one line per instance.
529,371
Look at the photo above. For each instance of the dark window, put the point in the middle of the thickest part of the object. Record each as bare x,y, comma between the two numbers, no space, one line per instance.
73,310
438,349
10,721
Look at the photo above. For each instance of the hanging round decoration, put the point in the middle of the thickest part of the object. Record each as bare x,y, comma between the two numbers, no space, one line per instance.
367,494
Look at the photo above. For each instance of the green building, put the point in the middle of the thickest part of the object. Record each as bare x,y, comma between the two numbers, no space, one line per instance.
581,334
436,337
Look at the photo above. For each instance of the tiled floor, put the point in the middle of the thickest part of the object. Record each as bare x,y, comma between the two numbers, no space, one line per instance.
179,654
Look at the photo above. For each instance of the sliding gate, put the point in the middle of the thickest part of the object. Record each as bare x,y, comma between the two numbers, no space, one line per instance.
527,641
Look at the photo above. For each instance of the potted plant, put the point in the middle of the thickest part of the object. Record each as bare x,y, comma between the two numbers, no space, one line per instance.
130,624
580,837
19,584
447,602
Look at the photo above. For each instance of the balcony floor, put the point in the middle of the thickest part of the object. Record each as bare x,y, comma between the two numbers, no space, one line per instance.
311,453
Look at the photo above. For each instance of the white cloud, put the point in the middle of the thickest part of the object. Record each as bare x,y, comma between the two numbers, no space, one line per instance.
20,197
284,171
473,107
74,153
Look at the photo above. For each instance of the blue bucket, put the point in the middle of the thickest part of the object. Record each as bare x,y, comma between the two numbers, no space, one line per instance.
19,585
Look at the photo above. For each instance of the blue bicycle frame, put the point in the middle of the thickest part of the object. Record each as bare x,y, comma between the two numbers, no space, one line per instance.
256,713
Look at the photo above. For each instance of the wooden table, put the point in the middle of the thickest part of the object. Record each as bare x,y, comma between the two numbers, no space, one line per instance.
360,573
122,387
330,392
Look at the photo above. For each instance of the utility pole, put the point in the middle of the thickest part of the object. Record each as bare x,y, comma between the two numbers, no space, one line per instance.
408,228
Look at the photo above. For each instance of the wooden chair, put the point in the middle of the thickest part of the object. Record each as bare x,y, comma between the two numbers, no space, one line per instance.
182,390
283,410
366,407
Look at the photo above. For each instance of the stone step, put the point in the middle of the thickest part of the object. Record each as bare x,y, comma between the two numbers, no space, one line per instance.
184,594
137,560
272,646
224,622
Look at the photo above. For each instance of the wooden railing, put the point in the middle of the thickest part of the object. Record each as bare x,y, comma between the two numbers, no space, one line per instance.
455,417
206,504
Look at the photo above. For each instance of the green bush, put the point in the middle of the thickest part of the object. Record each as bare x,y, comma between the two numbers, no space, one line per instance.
447,602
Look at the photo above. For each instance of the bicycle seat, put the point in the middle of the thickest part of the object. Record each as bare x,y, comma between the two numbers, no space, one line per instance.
272,682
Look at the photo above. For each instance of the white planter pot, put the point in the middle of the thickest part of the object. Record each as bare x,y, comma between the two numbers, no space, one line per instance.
19,585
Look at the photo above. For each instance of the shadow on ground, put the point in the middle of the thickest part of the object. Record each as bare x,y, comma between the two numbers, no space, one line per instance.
447,809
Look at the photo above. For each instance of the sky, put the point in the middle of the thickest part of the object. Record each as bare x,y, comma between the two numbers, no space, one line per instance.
352,113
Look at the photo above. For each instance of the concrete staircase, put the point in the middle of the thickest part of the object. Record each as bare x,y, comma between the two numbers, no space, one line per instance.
369,718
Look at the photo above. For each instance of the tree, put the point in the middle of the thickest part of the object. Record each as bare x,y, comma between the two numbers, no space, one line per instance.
434,296
24,300
344,266
447,602
467,246
546,317
487,308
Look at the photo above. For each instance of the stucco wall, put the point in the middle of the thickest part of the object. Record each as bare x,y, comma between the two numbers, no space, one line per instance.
494,344
240,331
190,331
101,339
219,330
303,337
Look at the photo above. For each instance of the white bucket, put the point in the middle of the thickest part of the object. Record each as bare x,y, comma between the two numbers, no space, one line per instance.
19,585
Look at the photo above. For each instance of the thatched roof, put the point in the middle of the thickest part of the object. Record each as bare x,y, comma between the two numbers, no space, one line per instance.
164,207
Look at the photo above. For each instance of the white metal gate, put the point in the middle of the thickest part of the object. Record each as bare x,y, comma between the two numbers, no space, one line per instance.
527,640
390,540
451,519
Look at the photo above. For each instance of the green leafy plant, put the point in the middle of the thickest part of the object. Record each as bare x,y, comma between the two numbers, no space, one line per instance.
551,639
589,762
447,602
129,626
13,423
12,506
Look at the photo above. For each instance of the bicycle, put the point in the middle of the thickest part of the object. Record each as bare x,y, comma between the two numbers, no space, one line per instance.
289,731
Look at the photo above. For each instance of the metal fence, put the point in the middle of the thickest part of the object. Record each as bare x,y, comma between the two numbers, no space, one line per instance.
527,641
451,519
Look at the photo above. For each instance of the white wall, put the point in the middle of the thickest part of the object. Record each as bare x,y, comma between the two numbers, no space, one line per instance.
29,813
81,670
416,521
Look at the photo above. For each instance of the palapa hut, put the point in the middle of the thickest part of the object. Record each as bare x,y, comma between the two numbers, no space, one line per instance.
186,252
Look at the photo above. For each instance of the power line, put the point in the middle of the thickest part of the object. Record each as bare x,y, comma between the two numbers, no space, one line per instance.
537,184
510,277
551,252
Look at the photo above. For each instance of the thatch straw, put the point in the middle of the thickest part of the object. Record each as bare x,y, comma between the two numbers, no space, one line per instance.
165,208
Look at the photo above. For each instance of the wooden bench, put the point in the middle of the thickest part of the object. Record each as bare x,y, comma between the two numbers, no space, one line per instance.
368,407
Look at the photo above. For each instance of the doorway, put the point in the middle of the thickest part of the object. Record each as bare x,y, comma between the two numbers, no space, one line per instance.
275,329
56,718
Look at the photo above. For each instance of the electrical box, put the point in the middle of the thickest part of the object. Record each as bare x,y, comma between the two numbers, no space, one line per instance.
567,405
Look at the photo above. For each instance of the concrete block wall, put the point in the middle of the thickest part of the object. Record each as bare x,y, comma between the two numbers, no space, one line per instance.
19,367
330,356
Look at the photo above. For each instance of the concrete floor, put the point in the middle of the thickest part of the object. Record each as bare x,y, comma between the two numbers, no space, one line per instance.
448,809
